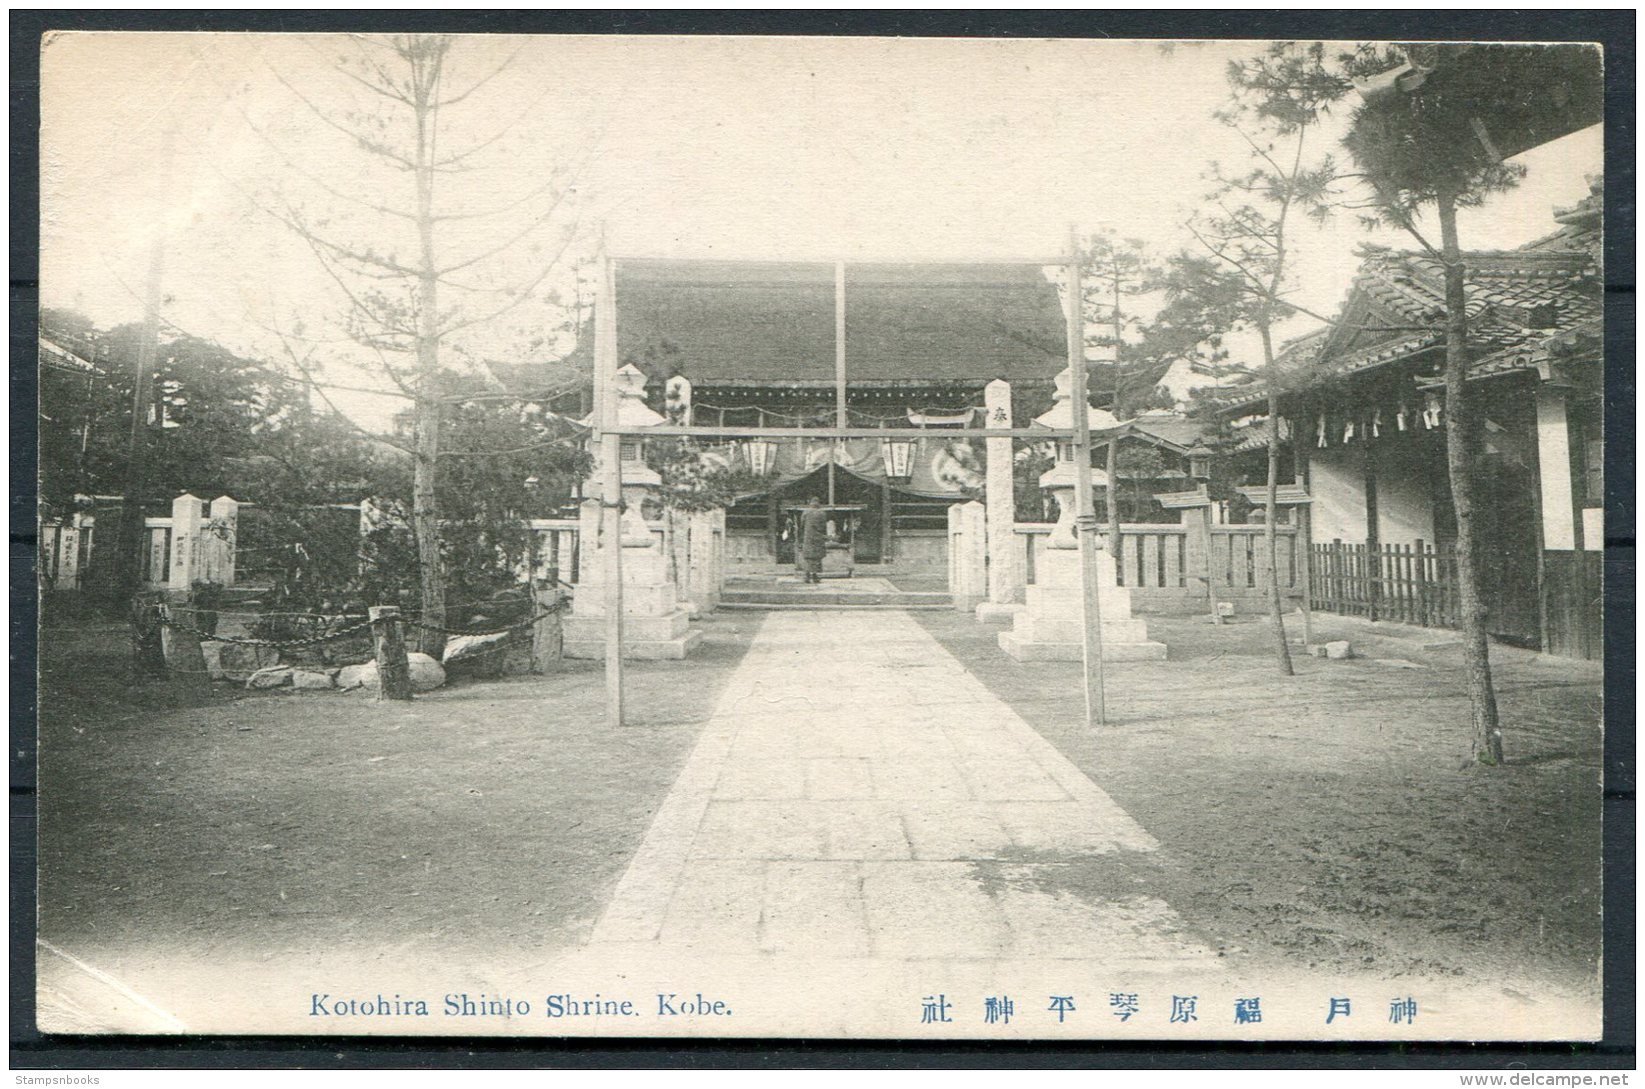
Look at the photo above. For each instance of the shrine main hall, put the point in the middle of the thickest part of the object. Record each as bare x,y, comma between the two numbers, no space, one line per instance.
757,344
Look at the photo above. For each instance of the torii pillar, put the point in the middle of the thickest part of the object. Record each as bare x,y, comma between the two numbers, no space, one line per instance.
1005,575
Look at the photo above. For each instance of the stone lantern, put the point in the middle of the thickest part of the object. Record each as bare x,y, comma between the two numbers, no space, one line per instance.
1060,479
654,625
1049,629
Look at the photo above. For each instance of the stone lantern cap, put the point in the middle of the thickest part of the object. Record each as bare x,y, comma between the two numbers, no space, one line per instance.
632,411
1061,412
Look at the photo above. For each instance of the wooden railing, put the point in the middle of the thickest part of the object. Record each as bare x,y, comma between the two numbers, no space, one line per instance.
555,555
1414,583
1171,561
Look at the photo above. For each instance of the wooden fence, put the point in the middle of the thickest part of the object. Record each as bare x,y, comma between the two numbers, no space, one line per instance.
555,552
1413,584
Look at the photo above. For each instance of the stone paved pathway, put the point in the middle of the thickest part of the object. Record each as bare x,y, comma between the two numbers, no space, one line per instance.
859,794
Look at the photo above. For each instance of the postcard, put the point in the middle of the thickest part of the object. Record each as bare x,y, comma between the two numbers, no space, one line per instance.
865,538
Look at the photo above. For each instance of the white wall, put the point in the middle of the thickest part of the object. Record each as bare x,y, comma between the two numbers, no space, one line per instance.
1405,507
1553,444
1337,482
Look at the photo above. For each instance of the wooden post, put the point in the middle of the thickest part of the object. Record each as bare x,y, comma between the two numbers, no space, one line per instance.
611,487
841,417
547,639
1210,573
389,637
147,650
887,513
180,648
1084,510
1304,539
1423,615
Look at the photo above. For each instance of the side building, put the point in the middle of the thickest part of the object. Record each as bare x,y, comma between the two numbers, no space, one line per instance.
1367,432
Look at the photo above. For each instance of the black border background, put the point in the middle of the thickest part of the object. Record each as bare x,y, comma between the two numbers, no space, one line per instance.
1614,29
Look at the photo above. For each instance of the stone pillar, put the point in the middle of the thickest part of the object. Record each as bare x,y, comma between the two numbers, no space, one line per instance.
185,534
1005,574
967,555
225,534
702,562
66,547
654,624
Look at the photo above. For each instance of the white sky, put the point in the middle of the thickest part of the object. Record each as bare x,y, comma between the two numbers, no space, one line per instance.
729,147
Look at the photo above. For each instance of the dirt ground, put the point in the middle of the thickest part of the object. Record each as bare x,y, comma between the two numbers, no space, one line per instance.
1335,819
482,816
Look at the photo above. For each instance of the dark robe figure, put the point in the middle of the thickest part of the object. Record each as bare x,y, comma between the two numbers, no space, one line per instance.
813,540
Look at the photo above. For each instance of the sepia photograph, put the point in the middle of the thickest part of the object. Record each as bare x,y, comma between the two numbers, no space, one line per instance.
862,538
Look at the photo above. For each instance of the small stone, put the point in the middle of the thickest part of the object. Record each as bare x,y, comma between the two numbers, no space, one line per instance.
212,651
303,678
468,646
272,677
238,662
1339,648
357,676
426,673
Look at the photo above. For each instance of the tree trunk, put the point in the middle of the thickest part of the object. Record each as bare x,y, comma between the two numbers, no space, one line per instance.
425,512
1270,534
132,540
1487,732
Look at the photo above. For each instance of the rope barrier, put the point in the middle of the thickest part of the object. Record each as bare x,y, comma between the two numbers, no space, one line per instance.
519,625
165,619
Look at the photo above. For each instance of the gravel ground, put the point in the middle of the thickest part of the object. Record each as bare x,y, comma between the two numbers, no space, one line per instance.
480,817
1335,819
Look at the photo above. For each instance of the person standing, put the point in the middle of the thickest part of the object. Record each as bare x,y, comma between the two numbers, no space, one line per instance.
813,540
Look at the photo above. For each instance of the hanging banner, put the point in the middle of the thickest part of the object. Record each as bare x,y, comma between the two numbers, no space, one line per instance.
937,466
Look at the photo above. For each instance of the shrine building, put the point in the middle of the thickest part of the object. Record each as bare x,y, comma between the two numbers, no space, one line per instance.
755,345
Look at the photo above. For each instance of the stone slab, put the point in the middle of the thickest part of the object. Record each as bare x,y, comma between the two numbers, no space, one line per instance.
839,777
1074,652
931,909
653,650
814,908
644,629
989,612
717,900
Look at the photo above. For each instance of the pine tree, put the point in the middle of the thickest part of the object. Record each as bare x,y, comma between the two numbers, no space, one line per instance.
1423,137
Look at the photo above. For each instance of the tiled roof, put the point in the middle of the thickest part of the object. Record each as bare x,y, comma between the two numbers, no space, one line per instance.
53,354
1173,429
738,322
1515,300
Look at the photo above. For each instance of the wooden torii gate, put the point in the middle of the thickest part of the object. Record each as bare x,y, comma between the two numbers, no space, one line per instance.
611,436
